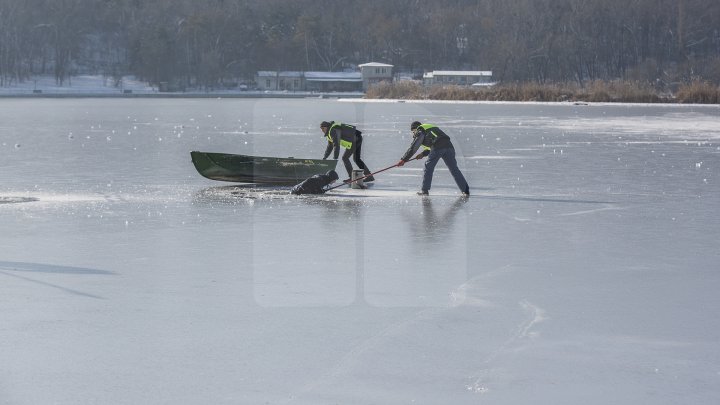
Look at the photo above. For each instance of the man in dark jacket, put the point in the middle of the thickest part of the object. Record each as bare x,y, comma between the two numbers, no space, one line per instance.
347,136
436,145
315,184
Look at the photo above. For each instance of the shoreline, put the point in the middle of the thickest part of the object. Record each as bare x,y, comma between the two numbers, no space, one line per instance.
597,91
519,102
340,97
179,95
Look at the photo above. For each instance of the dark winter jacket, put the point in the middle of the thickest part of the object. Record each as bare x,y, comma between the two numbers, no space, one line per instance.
340,134
315,184
428,136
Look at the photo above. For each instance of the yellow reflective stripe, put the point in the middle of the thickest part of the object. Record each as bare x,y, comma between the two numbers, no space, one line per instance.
343,143
328,136
427,128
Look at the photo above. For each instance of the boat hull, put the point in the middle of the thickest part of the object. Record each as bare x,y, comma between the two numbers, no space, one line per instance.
258,169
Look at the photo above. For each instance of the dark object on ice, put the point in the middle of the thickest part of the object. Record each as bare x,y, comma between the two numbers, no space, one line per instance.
315,184
258,169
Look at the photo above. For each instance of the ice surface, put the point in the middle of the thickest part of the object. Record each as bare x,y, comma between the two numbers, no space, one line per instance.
583,268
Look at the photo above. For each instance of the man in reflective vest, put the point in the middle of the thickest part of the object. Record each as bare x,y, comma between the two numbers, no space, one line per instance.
347,136
436,145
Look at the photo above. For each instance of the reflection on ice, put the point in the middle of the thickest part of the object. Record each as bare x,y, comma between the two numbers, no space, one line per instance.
48,268
499,157
549,199
16,200
240,193
33,272
383,195
435,219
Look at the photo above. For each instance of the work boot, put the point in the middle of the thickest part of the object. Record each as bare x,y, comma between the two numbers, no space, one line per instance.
369,178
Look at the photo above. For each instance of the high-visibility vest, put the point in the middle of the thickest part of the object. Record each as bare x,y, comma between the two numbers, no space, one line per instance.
428,142
347,134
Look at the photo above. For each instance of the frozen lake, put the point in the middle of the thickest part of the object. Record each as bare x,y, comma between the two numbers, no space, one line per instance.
584,268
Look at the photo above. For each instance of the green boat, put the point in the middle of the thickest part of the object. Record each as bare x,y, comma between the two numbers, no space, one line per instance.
258,169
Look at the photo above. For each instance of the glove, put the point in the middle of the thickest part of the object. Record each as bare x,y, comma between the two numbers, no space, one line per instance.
400,163
420,156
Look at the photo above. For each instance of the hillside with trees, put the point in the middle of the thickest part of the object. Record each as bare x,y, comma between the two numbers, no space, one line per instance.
217,43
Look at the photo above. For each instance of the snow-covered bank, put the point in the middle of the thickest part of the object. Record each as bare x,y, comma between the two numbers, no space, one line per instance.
107,87
486,102
84,84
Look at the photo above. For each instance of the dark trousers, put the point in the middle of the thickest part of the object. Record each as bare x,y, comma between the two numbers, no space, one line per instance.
448,156
355,152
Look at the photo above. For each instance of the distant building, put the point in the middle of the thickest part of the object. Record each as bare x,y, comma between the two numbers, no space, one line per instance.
333,81
370,73
309,81
458,77
375,72
270,80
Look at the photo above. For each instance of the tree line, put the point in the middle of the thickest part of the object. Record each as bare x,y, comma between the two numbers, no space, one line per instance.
215,43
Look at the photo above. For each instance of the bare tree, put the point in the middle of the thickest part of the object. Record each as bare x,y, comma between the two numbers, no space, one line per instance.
209,43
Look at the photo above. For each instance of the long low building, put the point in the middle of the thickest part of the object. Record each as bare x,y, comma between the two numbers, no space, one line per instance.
369,74
458,77
333,81
271,80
